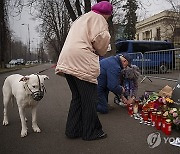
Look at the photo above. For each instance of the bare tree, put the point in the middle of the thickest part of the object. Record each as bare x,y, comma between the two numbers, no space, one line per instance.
172,24
55,23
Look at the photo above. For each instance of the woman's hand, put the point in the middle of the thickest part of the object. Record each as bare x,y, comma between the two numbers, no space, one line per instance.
124,99
128,101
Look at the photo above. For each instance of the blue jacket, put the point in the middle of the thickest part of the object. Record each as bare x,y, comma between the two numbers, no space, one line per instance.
109,78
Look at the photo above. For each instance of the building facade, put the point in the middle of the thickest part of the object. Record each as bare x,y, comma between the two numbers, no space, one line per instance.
162,26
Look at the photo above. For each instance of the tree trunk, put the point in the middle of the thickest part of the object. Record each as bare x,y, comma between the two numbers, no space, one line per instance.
70,10
111,30
87,5
78,7
2,33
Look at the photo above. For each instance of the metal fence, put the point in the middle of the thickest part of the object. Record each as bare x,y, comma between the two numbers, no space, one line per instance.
162,64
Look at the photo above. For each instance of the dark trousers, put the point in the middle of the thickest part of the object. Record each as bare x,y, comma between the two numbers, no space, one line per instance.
103,92
82,118
102,105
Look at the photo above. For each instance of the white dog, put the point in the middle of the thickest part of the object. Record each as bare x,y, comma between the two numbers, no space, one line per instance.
28,91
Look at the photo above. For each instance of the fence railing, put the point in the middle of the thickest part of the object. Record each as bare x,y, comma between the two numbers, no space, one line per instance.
162,64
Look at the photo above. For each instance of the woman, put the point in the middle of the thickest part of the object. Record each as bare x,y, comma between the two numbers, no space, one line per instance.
87,39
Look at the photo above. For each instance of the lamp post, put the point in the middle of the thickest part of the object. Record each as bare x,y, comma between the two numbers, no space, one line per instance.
35,40
29,41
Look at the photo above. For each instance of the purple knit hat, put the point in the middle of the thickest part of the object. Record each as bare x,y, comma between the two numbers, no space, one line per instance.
103,7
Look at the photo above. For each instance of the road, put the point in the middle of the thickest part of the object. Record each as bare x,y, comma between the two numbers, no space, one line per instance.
125,134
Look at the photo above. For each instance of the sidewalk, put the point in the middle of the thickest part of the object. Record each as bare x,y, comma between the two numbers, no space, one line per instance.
156,85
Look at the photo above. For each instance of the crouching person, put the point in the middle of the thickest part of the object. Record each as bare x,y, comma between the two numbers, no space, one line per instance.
129,80
109,79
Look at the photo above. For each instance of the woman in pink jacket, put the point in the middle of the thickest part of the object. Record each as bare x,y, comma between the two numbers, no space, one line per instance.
87,39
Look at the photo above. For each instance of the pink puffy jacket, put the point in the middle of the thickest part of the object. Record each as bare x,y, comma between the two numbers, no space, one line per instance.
87,39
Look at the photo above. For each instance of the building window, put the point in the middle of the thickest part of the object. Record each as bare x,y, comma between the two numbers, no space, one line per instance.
147,35
177,36
158,34
137,37
143,35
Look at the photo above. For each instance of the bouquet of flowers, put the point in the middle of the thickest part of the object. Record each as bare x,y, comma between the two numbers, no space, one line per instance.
174,115
159,101
151,100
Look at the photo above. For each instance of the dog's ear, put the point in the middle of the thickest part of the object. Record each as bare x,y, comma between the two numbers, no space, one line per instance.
45,77
24,79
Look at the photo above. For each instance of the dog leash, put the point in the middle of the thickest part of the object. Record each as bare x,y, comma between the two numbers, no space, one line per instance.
53,66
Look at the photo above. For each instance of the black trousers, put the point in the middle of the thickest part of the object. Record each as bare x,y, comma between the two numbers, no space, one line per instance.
82,118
